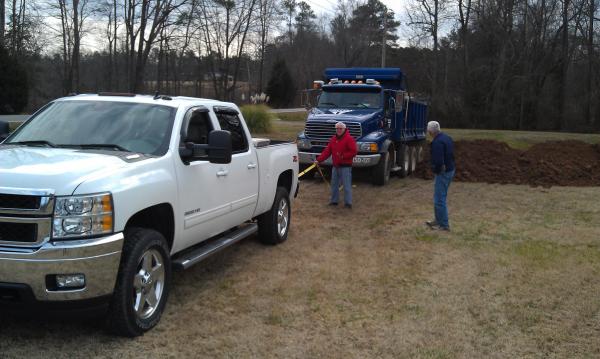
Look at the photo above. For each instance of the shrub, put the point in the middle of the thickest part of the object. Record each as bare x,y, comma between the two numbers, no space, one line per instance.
258,118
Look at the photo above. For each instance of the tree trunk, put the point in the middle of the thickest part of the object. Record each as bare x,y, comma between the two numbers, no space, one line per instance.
434,34
564,67
14,27
2,21
74,77
590,115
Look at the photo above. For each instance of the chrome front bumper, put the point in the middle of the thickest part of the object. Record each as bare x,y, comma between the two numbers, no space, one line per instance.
98,259
358,161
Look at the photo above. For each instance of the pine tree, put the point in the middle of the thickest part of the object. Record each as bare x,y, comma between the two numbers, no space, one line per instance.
281,88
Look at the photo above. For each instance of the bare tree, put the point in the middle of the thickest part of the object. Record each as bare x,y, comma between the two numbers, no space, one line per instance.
225,31
590,115
17,26
108,11
266,18
289,7
72,16
144,21
427,16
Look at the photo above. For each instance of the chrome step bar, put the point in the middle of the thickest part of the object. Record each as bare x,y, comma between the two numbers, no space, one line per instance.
197,254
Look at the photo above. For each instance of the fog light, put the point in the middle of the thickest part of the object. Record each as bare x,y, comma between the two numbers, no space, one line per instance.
70,281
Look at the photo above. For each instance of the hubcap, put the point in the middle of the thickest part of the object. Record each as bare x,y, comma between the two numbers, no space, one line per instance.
148,284
283,217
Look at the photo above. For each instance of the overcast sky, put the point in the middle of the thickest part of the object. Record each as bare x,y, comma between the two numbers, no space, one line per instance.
94,40
328,6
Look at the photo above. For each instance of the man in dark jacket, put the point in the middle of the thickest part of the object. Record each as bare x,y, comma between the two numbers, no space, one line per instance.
342,149
442,165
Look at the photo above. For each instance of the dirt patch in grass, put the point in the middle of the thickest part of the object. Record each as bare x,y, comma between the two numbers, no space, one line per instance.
553,163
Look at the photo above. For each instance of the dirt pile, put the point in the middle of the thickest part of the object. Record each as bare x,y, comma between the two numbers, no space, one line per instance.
555,163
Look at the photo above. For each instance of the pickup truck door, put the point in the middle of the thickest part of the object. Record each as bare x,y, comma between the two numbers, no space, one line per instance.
242,176
202,205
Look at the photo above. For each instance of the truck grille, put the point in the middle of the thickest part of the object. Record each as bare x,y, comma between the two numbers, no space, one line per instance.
25,217
15,201
18,232
323,131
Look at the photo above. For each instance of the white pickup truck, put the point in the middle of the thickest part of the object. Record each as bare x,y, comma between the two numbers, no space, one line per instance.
101,196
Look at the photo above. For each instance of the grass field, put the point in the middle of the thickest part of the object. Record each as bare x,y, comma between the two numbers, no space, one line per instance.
518,276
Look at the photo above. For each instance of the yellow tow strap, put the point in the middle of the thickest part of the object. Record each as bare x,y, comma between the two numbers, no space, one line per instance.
318,169
322,175
307,170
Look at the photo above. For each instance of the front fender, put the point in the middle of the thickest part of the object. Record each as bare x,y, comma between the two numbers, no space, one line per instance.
139,186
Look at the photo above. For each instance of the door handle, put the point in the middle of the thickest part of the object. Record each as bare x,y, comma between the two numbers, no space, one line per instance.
251,166
222,173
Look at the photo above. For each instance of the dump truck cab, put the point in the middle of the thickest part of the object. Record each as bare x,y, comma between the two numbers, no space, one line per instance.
388,126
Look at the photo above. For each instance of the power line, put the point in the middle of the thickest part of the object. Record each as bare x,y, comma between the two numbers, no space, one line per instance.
312,3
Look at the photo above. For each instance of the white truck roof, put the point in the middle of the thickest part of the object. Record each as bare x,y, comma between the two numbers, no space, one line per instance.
174,101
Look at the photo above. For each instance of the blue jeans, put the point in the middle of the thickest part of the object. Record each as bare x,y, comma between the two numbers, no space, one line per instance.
442,182
341,175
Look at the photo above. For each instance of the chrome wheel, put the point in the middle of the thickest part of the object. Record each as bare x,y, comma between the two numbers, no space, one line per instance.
148,284
283,217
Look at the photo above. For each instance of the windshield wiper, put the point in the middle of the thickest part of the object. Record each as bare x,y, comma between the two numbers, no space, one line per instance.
359,104
327,103
109,146
32,143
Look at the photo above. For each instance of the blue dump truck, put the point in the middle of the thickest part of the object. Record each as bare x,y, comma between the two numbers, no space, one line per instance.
388,125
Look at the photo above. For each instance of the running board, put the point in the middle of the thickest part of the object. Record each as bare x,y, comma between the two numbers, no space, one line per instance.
197,254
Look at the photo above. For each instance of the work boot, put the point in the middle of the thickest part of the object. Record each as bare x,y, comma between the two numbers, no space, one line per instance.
437,227
432,223
348,205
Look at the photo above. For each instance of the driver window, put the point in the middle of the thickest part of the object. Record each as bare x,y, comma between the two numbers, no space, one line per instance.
199,127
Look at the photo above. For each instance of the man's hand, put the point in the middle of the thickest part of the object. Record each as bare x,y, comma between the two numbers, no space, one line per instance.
316,163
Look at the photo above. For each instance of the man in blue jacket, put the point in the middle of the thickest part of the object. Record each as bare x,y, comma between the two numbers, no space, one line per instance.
442,165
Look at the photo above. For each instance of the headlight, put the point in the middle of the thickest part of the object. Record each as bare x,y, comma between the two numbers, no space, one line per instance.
79,216
304,144
367,147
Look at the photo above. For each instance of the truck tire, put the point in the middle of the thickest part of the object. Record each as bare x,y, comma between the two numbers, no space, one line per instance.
143,283
404,160
381,172
414,158
419,152
274,225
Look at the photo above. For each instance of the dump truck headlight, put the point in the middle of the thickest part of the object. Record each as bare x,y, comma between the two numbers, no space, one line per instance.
367,147
304,144
82,216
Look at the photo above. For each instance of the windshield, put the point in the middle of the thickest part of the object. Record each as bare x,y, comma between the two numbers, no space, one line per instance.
118,126
349,99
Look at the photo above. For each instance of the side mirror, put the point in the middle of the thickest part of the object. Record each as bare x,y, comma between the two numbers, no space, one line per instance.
4,130
219,146
218,149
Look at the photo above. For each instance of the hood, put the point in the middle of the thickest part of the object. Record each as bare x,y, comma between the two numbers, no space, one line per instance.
344,114
57,169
